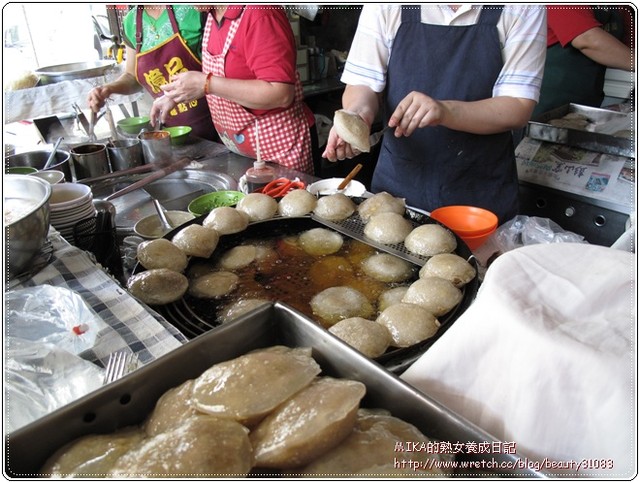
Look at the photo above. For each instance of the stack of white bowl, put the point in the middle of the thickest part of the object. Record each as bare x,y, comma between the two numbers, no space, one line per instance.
69,204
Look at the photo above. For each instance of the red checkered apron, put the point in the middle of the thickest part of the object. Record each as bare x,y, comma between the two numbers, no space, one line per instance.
283,136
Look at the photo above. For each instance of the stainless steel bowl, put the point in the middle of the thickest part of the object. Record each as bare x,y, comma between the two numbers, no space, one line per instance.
37,159
26,217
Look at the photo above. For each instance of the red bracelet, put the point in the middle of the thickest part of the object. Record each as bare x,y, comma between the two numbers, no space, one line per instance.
206,84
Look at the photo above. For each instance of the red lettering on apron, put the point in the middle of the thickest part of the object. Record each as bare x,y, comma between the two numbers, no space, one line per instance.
155,68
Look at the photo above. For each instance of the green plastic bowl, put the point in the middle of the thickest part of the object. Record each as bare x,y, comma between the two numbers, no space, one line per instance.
179,134
202,205
133,125
20,170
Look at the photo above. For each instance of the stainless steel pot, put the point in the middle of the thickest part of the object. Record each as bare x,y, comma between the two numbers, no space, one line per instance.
37,159
26,216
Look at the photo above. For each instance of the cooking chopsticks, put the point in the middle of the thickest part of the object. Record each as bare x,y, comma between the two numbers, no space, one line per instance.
123,172
181,163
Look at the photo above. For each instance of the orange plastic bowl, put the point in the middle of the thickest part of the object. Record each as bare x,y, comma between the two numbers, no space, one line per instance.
474,242
466,221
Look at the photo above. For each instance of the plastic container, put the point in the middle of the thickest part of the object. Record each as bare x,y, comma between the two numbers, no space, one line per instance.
466,221
259,176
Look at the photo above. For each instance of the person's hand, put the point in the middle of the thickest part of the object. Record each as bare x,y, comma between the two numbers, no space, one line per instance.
185,87
97,97
160,110
337,148
416,110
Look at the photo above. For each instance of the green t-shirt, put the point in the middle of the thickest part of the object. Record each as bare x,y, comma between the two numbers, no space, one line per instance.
155,31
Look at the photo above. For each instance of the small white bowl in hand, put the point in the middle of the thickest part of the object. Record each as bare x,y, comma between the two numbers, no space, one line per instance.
329,186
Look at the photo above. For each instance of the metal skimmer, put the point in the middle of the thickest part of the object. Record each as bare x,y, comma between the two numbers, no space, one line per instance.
354,228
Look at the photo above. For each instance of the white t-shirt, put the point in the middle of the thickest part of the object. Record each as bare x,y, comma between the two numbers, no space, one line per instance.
522,31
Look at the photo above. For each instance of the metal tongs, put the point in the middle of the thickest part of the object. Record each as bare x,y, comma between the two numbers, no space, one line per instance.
82,119
112,126
281,186
95,117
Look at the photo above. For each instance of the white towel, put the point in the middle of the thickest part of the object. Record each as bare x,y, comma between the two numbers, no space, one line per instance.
545,357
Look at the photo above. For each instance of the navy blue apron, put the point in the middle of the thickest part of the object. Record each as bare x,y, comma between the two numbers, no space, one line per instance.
437,166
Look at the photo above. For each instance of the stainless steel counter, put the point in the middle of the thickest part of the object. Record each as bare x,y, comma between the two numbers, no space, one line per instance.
218,158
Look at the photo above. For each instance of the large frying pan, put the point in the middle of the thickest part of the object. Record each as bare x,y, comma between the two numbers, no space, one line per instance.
195,316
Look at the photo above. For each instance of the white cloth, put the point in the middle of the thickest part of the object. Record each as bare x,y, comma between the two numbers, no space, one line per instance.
545,358
521,28
59,97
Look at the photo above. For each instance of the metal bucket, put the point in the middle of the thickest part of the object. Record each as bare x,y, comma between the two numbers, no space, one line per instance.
156,147
37,159
90,160
124,154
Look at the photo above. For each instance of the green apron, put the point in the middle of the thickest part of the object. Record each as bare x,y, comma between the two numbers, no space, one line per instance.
572,77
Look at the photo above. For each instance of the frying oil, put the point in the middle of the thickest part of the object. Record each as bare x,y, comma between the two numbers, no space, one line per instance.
284,272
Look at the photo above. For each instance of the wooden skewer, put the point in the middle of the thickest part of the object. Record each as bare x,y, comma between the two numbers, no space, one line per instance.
349,177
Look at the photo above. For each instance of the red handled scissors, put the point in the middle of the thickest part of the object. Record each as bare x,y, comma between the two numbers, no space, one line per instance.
281,186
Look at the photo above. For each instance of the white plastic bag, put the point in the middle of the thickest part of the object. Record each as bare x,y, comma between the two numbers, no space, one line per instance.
521,231
51,315
530,230
46,329
40,378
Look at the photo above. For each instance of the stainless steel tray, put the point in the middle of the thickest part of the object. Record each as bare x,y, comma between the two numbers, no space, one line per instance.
77,70
129,400
598,138
174,191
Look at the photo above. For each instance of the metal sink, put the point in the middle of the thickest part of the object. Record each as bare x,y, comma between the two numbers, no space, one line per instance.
174,192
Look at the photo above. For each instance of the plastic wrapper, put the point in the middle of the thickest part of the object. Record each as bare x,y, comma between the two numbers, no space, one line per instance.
518,232
46,330
531,230
40,378
55,315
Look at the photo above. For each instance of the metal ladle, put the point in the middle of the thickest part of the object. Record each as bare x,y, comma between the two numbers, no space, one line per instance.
52,156
164,221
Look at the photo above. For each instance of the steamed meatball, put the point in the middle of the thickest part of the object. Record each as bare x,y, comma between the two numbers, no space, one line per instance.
381,202
336,303
387,268
226,220
258,206
429,240
336,207
297,203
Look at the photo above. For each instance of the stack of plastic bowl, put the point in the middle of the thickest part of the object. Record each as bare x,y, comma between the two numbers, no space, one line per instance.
70,203
474,225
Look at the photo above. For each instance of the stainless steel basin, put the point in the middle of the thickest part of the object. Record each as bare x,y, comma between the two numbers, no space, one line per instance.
174,192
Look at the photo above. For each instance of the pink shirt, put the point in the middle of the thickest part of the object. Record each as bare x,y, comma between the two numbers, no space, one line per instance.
566,22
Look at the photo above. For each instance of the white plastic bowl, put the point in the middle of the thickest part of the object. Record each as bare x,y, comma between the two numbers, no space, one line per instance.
149,226
69,195
72,219
52,177
329,186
